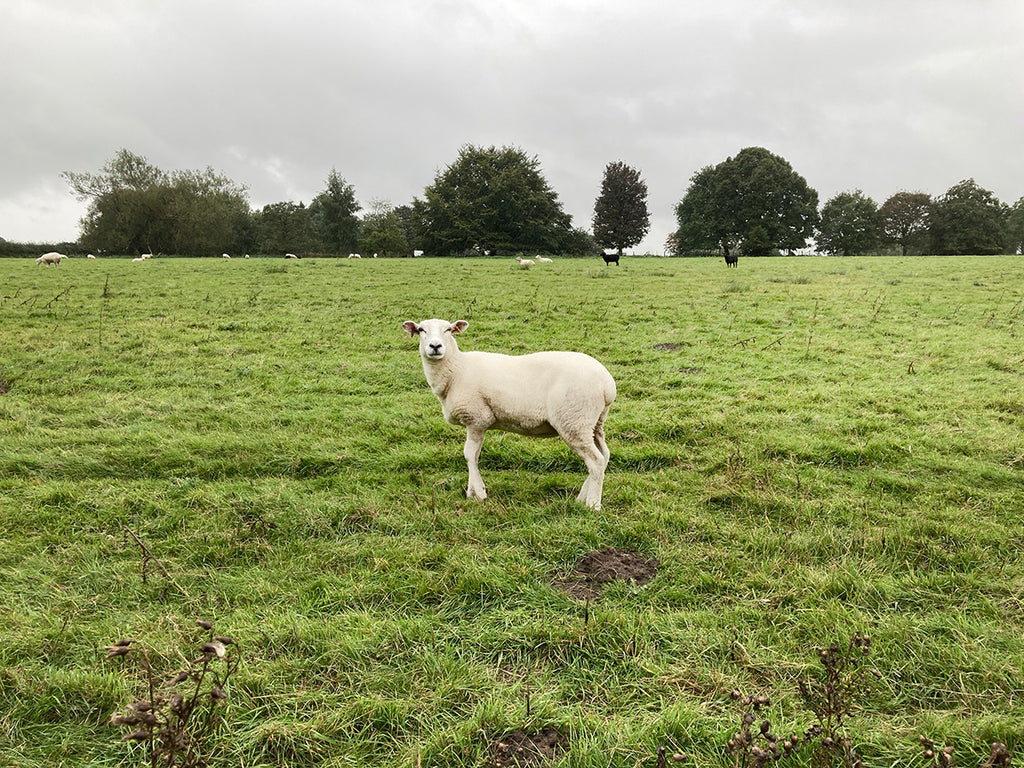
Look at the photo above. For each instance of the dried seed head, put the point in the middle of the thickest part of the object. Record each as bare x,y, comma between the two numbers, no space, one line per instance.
116,650
217,693
224,640
123,642
180,678
216,648
735,695
205,624
137,736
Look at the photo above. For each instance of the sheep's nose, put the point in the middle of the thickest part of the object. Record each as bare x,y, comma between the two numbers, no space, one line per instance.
435,347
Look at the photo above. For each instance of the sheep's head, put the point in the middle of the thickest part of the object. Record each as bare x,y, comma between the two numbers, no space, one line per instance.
436,336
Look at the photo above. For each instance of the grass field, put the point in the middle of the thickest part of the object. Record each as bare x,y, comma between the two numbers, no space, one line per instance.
809,447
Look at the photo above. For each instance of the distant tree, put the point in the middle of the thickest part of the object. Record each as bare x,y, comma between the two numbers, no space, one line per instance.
207,212
754,202
407,217
134,207
490,200
621,218
903,219
969,220
382,231
1015,223
848,224
285,228
333,215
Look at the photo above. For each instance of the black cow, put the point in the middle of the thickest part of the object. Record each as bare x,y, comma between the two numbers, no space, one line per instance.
731,259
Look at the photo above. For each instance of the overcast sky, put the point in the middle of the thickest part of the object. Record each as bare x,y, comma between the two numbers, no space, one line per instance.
877,95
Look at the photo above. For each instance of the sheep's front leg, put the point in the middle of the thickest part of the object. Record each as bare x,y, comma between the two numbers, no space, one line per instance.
474,442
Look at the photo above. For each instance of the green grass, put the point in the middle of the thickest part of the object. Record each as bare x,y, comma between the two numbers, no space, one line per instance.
810,447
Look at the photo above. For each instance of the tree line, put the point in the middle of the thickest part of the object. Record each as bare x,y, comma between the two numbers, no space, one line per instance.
489,201
756,204
496,201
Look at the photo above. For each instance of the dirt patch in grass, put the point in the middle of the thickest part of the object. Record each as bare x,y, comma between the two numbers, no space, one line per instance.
598,568
520,748
666,346
5,387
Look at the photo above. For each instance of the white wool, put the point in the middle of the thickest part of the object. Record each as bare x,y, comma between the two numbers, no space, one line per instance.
542,394
51,258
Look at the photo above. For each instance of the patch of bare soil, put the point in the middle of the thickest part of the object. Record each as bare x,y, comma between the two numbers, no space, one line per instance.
597,569
523,749
5,387
667,346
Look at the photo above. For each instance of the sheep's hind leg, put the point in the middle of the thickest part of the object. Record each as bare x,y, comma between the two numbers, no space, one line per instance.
593,458
474,442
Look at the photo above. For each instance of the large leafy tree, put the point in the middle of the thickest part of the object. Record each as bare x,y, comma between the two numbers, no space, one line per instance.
621,218
754,202
903,220
490,200
969,220
848,225
285,227
382,231
135,207
333,215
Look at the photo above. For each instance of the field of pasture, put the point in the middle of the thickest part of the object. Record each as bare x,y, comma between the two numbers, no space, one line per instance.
805,448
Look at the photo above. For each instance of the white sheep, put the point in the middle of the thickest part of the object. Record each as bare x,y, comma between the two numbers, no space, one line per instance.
543,259
290,256
542,394
51,258
225,256
90,256
139,259
354,256
525,262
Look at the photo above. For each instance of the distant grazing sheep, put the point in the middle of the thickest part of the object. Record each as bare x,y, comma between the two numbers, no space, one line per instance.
146,256
610,258
525,262
90,256
139,258
51,258
290,256
225,256
354,256
543,259
542,394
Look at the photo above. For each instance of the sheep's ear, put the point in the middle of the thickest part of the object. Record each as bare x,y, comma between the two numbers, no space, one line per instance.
459,326
411,327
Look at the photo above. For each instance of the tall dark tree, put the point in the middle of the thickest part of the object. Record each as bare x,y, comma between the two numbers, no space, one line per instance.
903,220
490,200
754,202
621,218
848,225
969,220
333,215
134,207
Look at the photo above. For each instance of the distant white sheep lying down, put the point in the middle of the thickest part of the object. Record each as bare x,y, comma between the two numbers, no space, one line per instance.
542,394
